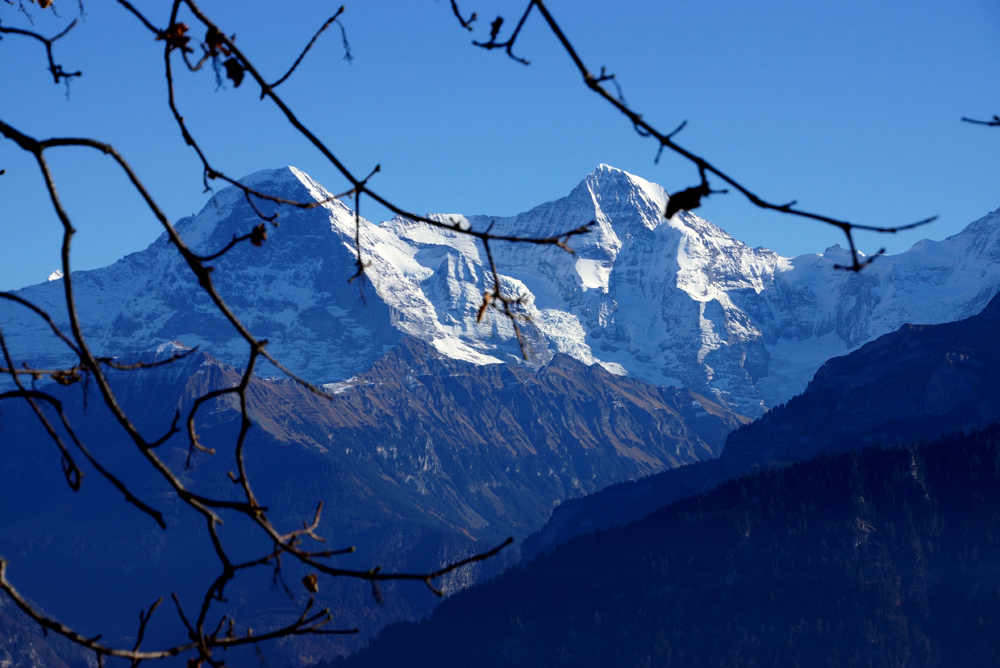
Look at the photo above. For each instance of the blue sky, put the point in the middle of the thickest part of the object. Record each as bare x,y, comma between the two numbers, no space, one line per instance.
850,107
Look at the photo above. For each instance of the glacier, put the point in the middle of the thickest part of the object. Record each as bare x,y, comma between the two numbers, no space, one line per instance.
674,302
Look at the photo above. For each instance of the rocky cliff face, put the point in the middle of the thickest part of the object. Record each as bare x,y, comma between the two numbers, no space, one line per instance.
438,421
677,303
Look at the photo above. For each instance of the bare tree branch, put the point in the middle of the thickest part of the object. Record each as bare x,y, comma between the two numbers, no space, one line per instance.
995,121
208,630
302,55
466,23
56,70
665,141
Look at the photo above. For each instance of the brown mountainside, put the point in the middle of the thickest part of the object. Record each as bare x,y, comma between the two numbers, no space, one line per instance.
419,461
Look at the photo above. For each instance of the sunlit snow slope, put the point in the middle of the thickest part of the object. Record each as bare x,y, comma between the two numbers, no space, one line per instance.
676,302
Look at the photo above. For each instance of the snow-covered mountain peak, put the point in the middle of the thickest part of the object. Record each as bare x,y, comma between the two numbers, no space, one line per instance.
988,224
282,177
228,212
981,238
620,204
677,302
624,199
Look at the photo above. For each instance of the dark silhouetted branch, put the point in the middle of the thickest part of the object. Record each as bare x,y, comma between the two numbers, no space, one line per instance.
466,23
56,70
995,121
302,55
666,141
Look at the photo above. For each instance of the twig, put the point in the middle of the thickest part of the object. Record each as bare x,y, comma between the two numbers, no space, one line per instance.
56,70
302,55
995,121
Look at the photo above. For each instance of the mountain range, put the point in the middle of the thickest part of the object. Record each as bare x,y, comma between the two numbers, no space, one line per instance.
648,347
673,302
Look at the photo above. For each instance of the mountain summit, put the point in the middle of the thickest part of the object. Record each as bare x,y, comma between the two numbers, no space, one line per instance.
674,302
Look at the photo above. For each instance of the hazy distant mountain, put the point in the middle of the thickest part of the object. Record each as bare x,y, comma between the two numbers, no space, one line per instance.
919,382
676,302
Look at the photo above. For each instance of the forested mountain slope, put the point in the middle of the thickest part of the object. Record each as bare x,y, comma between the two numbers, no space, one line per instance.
884,557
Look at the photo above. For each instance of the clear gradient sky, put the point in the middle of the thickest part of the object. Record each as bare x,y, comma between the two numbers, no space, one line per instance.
851,107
